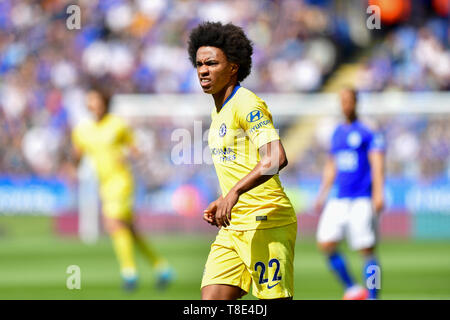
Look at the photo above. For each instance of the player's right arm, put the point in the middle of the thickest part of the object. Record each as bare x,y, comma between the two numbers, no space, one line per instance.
76,150
328,176
77,154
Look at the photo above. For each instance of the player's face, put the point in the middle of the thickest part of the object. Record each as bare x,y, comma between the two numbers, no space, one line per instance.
96,104
213,69
348,104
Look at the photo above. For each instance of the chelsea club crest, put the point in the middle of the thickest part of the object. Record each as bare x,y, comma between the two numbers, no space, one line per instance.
222,130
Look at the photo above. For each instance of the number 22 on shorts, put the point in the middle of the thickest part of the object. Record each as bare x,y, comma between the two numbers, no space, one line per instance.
273,263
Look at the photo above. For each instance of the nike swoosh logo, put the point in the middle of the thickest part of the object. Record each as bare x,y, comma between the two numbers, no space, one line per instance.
270,287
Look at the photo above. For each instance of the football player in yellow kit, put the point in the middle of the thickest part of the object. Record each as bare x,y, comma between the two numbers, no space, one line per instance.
258,226
107,141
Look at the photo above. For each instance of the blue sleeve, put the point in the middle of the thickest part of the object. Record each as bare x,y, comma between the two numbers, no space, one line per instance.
333,145
377,142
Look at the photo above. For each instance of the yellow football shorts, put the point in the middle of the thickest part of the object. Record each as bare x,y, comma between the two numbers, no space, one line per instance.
118,199
261,258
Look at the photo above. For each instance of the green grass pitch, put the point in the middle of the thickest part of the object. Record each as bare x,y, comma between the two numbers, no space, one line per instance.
33,264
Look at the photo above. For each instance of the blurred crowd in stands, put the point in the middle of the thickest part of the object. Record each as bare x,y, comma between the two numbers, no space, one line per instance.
412,59
412,53
139,46
417,147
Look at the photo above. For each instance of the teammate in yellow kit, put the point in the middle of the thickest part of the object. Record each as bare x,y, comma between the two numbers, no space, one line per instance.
107,141
255,245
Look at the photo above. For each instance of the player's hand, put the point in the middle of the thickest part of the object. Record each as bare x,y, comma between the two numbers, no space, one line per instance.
210,212
378,203
224,207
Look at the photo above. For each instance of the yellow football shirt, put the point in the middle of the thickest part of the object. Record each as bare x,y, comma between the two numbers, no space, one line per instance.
105,143
237,131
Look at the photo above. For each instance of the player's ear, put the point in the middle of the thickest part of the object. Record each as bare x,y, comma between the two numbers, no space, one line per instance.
234,68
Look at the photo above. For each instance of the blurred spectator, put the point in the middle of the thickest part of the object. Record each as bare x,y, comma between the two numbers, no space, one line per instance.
418,147
138,46
413,59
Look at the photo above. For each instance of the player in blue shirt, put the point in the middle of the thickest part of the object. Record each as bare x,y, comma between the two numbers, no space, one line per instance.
356,166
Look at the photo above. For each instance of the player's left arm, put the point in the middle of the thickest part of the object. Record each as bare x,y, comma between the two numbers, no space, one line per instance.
376,159
272,160
133,152
255,119
129,141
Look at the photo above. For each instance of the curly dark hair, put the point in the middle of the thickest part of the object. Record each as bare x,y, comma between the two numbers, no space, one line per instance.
229,38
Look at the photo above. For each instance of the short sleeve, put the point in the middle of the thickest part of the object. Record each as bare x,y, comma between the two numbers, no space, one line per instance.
333,148
377,142
128,135
77,141
255,119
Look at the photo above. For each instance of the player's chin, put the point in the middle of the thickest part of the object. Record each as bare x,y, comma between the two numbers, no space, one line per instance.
207,89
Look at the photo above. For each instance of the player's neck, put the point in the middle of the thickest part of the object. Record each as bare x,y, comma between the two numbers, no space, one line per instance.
351,119
222,96
100,117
